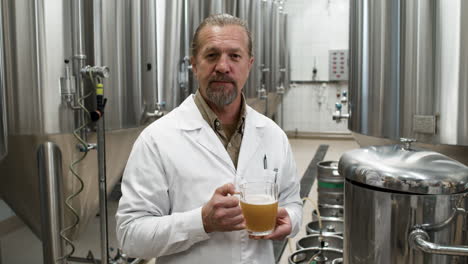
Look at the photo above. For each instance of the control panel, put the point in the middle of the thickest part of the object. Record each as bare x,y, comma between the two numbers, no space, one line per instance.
338,65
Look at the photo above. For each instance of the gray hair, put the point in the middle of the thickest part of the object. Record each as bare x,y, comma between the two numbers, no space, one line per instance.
221,20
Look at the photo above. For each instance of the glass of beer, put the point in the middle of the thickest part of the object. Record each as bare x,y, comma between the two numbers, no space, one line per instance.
259,204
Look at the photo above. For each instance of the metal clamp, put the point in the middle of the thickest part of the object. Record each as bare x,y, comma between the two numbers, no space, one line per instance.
99,71
407,142
418,239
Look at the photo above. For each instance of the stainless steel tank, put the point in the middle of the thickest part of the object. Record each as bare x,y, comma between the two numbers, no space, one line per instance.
267,36
404,205
285,69
275,53
3,115
408,78
127,45
251,11
129,37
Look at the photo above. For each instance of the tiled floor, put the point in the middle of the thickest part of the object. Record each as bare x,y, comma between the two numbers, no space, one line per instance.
21,246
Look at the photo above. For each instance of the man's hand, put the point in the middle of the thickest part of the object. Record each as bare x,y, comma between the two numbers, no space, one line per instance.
222,212
283,227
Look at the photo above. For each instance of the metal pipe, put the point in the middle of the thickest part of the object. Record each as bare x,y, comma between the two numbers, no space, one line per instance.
456,211
101,148
418,239
49,162
97,27
79,59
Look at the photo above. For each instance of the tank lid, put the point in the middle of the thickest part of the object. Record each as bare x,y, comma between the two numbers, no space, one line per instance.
404,168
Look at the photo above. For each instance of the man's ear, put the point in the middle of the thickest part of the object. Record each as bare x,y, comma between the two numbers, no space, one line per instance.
251,61
194,64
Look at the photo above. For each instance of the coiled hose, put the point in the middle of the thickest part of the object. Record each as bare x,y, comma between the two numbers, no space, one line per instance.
83,146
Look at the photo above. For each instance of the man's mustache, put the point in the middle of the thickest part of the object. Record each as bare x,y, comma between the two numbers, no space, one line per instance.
221,78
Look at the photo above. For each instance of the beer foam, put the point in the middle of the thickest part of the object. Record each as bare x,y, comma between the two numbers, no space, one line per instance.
259,199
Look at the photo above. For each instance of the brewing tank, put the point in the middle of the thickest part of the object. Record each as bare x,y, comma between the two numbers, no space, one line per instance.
251,11
408,65
3,116
39,37
404,205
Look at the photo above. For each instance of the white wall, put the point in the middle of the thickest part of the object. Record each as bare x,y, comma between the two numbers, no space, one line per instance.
315,27
309,108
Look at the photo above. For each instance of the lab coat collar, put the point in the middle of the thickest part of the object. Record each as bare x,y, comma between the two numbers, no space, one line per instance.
193,123
193,119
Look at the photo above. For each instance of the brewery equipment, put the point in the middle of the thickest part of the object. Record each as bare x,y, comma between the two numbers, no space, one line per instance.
315,240
328,211
408,74
3,116
315,255
330,183
330,226
404,205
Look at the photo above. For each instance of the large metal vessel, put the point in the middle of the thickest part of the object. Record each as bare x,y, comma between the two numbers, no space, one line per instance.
408,73
404,205
39,36
251,11
3,117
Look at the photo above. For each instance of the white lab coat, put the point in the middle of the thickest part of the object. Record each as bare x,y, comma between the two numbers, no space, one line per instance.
174,167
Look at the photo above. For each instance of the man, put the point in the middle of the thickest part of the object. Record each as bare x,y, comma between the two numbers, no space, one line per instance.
178,201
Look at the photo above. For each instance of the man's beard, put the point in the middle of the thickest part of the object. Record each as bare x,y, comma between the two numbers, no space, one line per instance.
221,96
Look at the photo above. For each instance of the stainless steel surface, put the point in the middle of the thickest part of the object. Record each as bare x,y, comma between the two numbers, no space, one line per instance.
337,261
419,239
408,66
251,11
329,227
49,160
267,36
378,232
304,256
334,198
78,61
327,211
103,222
459,153
392,167
38,38
330,241
169,40
275,48
330,183
285,67
3,109
125,30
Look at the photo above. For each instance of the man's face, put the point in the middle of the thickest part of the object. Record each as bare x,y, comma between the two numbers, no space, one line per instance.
222,64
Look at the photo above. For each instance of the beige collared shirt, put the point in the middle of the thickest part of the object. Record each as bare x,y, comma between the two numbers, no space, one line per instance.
229,134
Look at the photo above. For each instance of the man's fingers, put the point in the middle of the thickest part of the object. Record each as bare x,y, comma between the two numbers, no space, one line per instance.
226,189
232,211
240,226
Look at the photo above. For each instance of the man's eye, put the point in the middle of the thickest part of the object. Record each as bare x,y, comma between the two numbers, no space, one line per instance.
211,55
235,56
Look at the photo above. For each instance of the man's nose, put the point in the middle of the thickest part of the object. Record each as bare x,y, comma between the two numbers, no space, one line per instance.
223,64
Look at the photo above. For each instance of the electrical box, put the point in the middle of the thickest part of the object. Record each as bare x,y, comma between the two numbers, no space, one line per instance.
338,65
